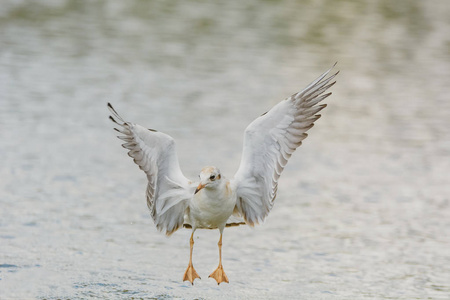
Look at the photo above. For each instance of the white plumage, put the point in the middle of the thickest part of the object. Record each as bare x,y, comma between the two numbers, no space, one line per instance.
214,201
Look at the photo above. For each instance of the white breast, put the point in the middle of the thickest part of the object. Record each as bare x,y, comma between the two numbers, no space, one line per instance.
211,207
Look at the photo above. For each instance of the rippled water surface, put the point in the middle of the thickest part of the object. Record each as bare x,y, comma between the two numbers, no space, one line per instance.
363,206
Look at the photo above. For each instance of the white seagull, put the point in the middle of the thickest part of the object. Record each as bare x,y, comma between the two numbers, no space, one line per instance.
215,201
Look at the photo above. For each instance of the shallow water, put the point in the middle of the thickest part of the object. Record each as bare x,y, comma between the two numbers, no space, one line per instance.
363,206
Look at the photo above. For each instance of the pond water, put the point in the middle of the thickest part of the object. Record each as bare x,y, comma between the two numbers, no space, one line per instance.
363,205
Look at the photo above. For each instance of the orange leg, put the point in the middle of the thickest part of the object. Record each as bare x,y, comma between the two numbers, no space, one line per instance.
219,274
190,273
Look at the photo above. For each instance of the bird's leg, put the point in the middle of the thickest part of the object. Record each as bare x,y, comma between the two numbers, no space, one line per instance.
190,273
219,274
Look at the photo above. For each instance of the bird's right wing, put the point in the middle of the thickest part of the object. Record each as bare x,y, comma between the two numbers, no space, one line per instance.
168,191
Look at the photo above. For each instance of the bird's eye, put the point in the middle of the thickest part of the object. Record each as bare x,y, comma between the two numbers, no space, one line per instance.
212,177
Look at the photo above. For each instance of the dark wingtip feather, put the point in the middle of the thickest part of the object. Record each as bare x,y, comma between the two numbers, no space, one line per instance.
114,112
111,108
327,95
114,120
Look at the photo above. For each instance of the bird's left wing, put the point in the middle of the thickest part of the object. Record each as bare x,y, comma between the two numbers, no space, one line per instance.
269,142
168,191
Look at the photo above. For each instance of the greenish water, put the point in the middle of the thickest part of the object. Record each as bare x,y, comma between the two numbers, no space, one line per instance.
363,206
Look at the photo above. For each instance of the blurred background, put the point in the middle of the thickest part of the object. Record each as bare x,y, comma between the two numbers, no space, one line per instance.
363,205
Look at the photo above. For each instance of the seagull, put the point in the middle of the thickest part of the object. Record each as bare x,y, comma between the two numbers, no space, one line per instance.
215,202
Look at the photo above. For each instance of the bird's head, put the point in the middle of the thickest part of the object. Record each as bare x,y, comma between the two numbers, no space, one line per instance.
209,177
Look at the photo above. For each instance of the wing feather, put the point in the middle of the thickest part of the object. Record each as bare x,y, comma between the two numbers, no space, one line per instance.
168,191
269,142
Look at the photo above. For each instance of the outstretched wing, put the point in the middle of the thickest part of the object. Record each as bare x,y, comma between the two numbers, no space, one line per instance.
269,142
168,191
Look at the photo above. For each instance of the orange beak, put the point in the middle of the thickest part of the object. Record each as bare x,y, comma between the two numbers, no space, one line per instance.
200,186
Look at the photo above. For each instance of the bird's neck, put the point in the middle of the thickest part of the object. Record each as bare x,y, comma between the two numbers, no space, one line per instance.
218,192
